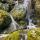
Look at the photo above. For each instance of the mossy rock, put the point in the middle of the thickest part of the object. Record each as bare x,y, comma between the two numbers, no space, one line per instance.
33,34
18,12
14,35
5,19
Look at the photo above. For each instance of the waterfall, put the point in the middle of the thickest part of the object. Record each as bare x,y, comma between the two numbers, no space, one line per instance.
31,25
27,6
13,26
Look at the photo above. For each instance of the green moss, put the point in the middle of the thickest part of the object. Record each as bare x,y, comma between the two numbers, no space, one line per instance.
34,34
36,15
37,7
5,19
18,12
37,20
14,36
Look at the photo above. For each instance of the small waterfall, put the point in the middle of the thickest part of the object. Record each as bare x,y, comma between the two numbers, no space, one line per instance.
31,25
27,5
13,26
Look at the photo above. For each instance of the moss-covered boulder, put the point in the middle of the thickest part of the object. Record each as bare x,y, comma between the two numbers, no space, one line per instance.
14,35
18,12
5,19
33,34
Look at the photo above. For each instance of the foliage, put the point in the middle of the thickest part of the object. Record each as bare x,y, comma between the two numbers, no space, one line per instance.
37,7
5,19
22,23
13,36
34,34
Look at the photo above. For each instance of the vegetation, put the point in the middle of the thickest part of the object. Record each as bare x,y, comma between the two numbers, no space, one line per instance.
37,7
13,36
5,19
22,23
34,34
18,12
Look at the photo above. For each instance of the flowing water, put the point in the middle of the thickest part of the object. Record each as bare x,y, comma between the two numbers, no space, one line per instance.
27,5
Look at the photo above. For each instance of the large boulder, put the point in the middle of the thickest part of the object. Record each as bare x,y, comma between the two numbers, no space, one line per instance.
18,12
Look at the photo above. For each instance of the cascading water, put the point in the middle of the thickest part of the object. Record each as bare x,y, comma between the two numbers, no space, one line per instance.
31,25
13,26
27,5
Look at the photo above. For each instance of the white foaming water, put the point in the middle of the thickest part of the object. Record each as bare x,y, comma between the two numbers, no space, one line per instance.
31,25
13,24
27,5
